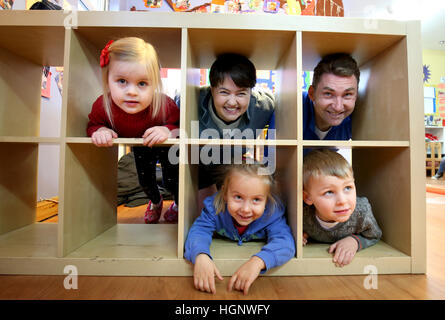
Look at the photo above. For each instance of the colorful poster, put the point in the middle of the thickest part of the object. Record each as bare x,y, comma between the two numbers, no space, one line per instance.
307,7
217,6
179,5
331,8
153,3
233,6
440,101
6,4
59,78
46,82
271,6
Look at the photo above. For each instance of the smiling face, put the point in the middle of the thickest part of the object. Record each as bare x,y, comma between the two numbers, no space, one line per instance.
334,99
246,197
334,198
230,101
130,88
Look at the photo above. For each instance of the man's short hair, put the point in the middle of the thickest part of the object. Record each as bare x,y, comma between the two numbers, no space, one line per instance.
339,64
238,67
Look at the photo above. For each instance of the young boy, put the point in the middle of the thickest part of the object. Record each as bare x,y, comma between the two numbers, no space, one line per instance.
334,214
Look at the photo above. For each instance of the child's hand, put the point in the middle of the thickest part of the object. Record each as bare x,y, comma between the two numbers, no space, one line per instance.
204,273
246,274
305,236
345,250
103,137
155,135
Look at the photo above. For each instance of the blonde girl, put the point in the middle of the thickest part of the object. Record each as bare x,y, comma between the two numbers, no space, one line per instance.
133,106
244,209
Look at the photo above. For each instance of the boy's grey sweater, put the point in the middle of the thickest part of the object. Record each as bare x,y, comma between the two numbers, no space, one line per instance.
361,225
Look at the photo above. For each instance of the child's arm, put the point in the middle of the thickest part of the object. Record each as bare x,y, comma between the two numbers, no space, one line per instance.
170,118
103,137
246,274
155,135
368,234
279,249
197,249
344,251
204,273
98,127
280,246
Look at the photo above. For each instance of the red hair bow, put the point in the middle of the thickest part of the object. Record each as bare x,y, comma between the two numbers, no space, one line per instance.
104,55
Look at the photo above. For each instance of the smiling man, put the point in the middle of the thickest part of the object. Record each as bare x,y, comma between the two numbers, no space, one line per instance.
331,98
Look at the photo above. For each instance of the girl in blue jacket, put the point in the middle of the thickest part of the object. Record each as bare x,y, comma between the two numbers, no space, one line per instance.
244,209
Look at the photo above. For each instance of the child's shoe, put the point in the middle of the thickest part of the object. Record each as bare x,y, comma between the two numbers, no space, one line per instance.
171,215
153,212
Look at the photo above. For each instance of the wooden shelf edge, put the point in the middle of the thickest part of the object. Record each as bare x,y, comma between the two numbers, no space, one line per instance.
241,142
181,267
355,143
15,139
128,141
206,20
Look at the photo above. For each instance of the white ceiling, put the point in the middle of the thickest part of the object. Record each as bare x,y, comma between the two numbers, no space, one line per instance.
431,13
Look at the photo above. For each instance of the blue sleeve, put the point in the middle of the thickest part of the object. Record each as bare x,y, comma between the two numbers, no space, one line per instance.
200,235
280,246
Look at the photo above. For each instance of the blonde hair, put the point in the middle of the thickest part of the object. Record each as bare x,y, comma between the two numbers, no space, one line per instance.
226,173
325,162
132,49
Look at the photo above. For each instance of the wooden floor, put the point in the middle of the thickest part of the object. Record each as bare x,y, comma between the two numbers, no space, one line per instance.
405,287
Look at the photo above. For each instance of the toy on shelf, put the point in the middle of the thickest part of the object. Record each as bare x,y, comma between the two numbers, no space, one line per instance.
431,137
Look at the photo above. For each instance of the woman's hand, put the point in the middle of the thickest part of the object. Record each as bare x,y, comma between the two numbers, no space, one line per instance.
243,278
204,273
103,137
305,237
155,135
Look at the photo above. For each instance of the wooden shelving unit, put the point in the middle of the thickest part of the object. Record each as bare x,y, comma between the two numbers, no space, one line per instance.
387,150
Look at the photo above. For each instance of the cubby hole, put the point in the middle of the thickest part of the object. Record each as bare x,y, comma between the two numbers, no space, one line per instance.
21,78
84,75
276,52
280,161
90,227
20,234
381,111
385,181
